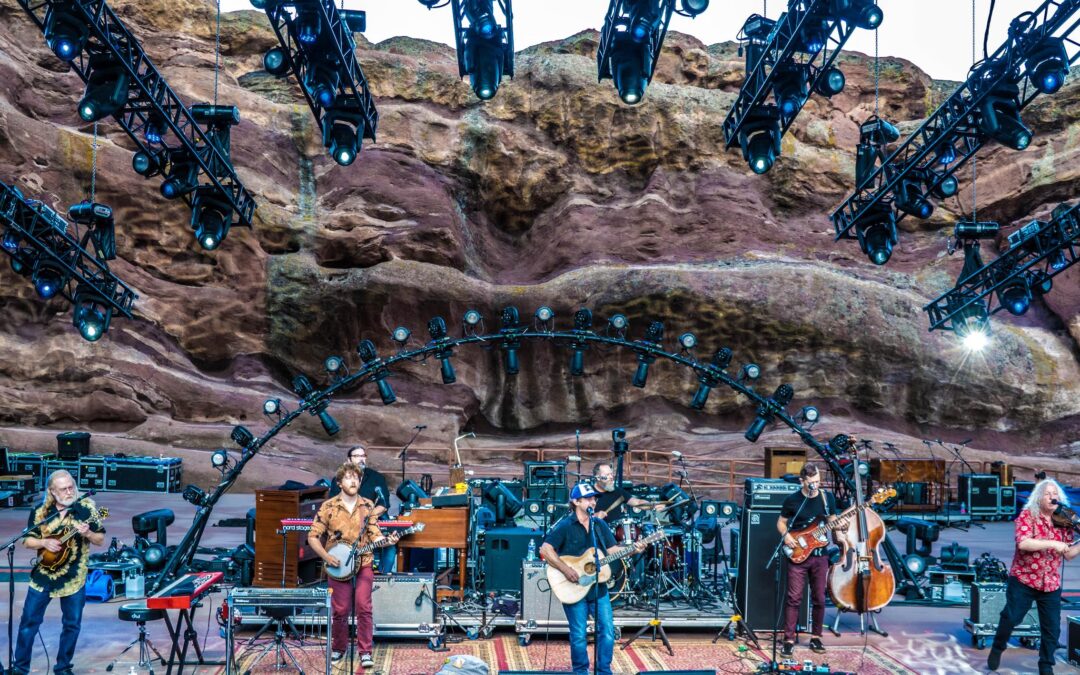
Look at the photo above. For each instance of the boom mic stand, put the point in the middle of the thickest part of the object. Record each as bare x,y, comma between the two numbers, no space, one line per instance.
780,598
404,454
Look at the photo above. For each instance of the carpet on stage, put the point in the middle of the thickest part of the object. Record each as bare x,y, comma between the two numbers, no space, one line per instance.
503,653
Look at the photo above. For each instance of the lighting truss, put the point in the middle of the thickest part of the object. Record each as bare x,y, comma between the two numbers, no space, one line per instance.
805,40
150,101
1039,252
952,132
34,232
329,58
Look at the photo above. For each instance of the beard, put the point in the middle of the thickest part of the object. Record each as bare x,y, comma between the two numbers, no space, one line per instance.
66,500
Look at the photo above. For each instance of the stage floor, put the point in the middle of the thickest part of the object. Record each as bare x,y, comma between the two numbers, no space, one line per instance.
921,639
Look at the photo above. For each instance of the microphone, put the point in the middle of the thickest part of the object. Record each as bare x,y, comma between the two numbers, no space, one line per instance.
676,454
589,510
420,598
1054,502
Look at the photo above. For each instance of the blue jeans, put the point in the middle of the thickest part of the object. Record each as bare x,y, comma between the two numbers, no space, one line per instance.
386,559
33,612
577,615
1018,599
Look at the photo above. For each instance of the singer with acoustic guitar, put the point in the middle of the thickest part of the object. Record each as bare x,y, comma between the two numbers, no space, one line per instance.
573,539
1043,544
63,546
350,519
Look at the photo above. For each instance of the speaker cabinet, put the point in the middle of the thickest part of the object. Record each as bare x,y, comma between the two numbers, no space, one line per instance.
755,586
987,601
401,602
504,549
538,605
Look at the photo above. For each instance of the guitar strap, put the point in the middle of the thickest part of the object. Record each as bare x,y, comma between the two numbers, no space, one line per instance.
825,504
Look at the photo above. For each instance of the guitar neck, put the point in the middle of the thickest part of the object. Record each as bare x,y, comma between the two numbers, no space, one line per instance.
626,552
841,520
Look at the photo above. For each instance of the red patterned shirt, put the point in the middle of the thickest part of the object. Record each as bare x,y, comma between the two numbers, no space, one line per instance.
1040,570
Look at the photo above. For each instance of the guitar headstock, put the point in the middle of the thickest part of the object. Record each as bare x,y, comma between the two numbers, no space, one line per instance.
883,494
99,514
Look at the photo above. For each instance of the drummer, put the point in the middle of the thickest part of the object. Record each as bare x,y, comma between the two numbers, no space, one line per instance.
612,498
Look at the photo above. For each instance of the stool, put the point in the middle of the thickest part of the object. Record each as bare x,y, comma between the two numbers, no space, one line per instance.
140,614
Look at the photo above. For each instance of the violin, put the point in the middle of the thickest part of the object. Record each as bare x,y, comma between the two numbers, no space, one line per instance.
1065,517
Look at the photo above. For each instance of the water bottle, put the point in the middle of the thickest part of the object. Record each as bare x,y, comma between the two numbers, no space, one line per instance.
531,556
963,508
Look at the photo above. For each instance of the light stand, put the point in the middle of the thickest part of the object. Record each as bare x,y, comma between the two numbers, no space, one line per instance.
596,598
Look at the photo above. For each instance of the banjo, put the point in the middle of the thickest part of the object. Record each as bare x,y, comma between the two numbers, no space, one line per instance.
349,555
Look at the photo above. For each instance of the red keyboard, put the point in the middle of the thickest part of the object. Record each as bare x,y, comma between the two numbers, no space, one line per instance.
170,598
302,525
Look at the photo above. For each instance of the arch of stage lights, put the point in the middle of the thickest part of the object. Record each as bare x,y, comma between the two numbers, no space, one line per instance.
375,369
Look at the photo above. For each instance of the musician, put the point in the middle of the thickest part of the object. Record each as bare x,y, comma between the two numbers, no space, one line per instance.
1035,576
608,493
66,582
373,487
800,510
573,536
348,518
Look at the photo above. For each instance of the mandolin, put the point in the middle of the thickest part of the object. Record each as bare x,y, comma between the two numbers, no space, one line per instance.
349,555
53,561
568,592
815,536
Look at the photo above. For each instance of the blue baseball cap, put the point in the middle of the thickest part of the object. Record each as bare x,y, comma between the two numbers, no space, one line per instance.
582,490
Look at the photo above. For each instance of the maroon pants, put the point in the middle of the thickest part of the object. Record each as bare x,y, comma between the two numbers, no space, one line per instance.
341,604
816,568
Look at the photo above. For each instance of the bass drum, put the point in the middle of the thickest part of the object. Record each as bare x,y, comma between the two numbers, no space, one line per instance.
619,583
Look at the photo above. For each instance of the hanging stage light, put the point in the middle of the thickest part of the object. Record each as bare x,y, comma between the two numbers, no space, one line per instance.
618,324
544,317
90,314
481,19
865,14
329,424
774,404
750,371
1015,296
946,152
484,62
272,406
321,80
155,128
692,8
10,240
367,353
340,135
472,322
211,216
146,164
401,336
49,277
219,459
334,366
1048,66
789,88
809,415
687,341
437,330
911,199
510,343
276,62
654,335
182,174
876,231
629,64
708,380
944,189
999,117
813,35
831,83
65,31
106,88
759,138
972,324
308,26
583,321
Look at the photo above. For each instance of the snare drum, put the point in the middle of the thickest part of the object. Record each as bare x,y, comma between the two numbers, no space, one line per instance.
626,530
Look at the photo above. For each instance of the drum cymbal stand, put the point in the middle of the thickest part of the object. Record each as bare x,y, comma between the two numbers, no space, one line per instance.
655,624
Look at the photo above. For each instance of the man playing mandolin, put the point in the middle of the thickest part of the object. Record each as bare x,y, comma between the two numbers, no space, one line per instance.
801,509
64,577
573,536
350,519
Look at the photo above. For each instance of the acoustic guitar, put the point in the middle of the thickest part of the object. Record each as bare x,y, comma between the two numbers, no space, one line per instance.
53,561
349,555
815,536
568,592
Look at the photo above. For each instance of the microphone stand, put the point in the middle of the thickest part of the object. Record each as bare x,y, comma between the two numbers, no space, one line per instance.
782,605
596,598
404,454
655,624
971,472
10,546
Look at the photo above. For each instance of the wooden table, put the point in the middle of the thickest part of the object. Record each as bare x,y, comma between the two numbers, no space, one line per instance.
445,528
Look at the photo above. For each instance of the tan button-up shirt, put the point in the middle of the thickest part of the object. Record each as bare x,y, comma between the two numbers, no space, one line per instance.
342,526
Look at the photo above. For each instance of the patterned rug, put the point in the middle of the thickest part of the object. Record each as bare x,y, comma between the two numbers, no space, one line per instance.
503,653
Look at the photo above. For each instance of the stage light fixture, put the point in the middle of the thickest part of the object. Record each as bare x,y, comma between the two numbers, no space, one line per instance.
219,459
329,424
276,61
911,199
915,563
708,379
146,164
49,277
342,141
410,494
831,83
972,324
354,19
106,88
1040,282
999,117
618,324
155,128
809,415
813,35
401,335
473,319
22,261
370,357
272,406
1048,66
654,335
946,153
65,32
876,232
334,365
437,330
194,495
545,314
692,8
753,432
484,61
1015,296
503,501
90,314
583,321
98,219
481,19
10,240
308,26
759,139
510,319
789,89
182,175
750,371
688,341
840,444
211,216
863,13
242,436
944,189
629,63
321,79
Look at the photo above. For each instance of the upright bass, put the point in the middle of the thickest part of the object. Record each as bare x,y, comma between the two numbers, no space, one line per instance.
862,581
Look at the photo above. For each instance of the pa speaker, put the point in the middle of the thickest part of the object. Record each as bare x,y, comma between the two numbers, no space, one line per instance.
756,585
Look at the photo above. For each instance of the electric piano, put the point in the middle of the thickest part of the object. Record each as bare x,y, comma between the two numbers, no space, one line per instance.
185,591
184,595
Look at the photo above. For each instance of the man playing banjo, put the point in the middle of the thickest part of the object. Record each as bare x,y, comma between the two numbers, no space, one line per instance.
348,519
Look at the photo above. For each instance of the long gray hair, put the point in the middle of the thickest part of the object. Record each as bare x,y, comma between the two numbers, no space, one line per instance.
59,473
1037,494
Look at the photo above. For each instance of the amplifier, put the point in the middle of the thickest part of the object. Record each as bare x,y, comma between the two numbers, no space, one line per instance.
277,598
1073,655
987,601
980,492
536,508
402,603
1007,502
539,607
72,445
766,493
756,586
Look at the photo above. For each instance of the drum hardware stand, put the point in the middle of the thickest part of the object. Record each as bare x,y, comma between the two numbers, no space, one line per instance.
735,625
655,624
279,620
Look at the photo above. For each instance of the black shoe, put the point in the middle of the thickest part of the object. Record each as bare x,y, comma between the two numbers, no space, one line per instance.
788,649
993,660
816,646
